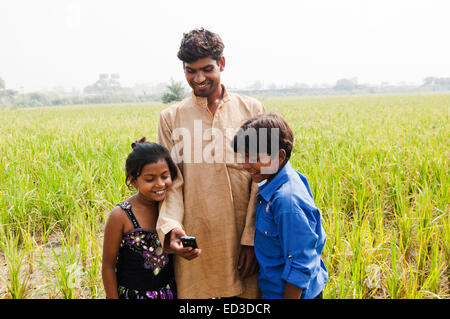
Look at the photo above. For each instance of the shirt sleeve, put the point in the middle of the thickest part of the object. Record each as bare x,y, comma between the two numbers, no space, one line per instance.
171,209
298,241
261,110
248,235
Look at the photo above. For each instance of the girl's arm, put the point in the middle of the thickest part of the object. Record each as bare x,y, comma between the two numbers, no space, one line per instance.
111,244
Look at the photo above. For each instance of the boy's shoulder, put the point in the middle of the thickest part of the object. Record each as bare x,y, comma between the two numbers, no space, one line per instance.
293,192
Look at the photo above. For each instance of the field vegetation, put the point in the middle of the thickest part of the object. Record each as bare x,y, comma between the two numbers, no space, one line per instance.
378,167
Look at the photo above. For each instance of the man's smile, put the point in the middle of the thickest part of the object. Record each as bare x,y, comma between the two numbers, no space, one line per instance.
202,86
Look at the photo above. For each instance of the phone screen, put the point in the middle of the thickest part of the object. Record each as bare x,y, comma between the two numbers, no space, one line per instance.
188,241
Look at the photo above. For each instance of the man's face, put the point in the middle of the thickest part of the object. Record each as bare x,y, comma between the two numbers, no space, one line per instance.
203,75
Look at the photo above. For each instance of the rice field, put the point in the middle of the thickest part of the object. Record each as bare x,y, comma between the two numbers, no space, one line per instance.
378,167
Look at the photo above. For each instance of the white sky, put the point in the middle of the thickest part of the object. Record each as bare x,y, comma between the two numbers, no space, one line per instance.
50,43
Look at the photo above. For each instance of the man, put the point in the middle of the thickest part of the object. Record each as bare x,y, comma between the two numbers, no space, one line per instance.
213,199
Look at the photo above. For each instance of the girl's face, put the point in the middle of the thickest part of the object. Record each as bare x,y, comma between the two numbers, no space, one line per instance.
154,181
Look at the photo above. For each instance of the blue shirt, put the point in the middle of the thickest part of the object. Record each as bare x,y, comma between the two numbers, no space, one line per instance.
289,236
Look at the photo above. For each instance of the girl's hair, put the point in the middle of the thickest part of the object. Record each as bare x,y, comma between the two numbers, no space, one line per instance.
144,153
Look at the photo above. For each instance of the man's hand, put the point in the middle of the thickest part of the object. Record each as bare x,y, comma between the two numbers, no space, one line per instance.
247,264
175,243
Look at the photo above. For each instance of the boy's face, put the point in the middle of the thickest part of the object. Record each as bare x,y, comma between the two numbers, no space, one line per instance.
203,75
263,167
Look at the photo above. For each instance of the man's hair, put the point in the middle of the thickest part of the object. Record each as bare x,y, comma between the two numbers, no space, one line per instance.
264,128
200,43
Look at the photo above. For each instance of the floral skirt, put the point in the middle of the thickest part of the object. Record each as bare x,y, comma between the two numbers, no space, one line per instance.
164,293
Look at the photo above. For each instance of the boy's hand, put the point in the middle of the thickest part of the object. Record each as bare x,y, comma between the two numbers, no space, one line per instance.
292,292
176,245
247,264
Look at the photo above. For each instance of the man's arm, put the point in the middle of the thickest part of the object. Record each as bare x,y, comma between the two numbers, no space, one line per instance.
247,264
171,209
248,235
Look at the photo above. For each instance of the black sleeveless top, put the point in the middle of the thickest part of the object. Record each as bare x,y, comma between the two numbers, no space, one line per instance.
143,269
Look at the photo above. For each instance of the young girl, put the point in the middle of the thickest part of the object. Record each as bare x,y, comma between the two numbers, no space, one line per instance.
134,264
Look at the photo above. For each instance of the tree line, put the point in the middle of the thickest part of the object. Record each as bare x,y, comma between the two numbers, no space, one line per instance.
107,89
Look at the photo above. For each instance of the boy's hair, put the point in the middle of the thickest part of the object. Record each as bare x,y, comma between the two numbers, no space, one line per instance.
264,128
144,153
200,43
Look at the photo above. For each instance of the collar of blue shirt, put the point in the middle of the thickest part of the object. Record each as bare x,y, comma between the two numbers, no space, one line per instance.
268,189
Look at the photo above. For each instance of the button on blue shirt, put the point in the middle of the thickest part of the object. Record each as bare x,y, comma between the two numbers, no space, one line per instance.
289,236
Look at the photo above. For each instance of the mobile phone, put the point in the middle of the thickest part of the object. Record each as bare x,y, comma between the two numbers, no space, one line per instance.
189,241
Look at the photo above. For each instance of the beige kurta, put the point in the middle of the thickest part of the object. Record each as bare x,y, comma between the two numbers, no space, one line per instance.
213,198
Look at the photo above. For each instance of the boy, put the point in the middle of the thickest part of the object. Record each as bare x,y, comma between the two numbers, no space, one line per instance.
289,237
